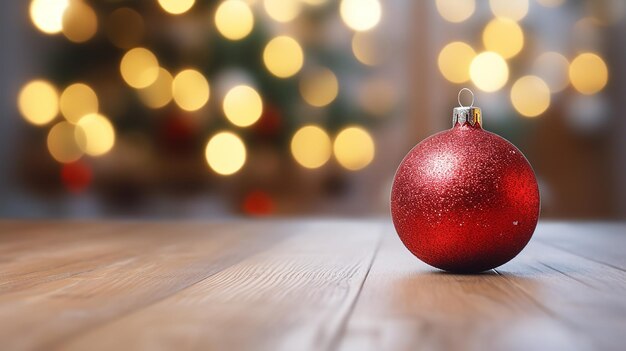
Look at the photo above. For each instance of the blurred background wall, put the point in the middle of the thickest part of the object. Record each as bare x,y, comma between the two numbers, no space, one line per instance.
162,108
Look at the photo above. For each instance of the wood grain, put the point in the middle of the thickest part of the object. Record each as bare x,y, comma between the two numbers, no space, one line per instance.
300,285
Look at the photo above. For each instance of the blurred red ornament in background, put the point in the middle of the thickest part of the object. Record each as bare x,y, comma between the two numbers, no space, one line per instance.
76,176
465,200
258,203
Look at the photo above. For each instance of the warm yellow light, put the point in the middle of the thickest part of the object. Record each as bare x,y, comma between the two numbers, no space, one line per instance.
78,100
79,22
176,7
125,27
62,144
551,3
503,36
456,10
454,61
311,146
225,153
283,56
47,15
552,67
95,134
234,19
512,9
354,148
282,10
489,71
360,15
365,49
588,73
139,67
243,106
38,102
319,87
159,93
190,90
314,2
530,96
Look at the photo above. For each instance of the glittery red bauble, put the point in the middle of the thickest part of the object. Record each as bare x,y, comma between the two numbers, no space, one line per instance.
465,200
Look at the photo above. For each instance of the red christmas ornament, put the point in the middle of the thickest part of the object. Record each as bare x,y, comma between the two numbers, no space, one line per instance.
465,200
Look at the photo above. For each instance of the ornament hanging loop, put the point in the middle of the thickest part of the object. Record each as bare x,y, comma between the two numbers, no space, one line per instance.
458,97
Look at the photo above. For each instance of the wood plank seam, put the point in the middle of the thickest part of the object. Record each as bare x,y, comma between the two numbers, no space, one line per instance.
583,256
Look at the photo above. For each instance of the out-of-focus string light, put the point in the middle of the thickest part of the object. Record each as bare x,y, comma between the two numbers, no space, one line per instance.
190,90
176,7
588,73
530,96
234,19
243,105
125,28
283,56
512,9
95,134
282,10
354,148
360,15
38,102
80,22
314,2
489,71
139,67
503,36
78,100
225,153
311,147
454,61
319,87
62,144
456,11
552,67
159,93
365,50
47,15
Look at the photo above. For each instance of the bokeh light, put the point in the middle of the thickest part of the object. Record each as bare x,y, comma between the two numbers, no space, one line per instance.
47,15
365,49
588,73
503,36
243,105
78,100
553,68
95,134
176,7
530,96
489,71
62,144
80,22
319,87
38,102
225,153
360,15
234,19
454,61
354,148
283,56
311,147
314,2
512,9
125,28
190,90
282,10
139,67
456,11
551,3
159,93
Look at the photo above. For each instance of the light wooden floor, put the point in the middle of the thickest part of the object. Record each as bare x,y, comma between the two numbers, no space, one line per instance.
300,285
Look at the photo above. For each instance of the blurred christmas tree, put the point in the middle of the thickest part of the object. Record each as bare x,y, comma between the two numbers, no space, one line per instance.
151,92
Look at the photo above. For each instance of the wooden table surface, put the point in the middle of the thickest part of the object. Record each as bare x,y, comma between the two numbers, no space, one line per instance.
300,285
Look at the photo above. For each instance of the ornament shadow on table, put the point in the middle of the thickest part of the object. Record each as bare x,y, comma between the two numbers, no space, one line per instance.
465,200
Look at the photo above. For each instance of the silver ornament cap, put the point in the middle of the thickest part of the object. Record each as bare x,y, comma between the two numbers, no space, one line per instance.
466,114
